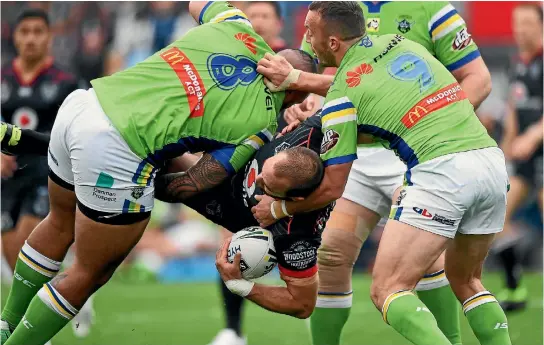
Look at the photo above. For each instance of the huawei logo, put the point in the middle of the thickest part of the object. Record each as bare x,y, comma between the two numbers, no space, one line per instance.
248,41
354,76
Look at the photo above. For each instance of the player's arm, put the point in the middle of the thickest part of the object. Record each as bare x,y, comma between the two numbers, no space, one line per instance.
510,132
454,47
296,299
216,12
338,151
280,75
207,173
16,141
210,170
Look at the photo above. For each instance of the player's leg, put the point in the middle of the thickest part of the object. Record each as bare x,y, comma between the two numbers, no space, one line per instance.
33,206
464,261
40,258
11,208
404,254
466,255
232,334
347,228
435,291
99,249
514,295
365,200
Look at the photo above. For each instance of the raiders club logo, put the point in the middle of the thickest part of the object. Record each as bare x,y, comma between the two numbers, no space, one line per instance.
137,192
462,40
373,24
25,118
404,23
330,139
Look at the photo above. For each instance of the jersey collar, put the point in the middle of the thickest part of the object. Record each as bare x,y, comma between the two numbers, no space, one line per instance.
19,75
374,8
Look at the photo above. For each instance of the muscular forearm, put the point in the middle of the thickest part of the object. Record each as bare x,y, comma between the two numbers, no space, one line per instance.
330,189
16,141
313,83
279,300
177,187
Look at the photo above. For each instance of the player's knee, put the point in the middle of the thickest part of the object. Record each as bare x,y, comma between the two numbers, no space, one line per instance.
336,256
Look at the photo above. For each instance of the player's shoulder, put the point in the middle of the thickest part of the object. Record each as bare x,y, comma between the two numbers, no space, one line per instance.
60,74
7,69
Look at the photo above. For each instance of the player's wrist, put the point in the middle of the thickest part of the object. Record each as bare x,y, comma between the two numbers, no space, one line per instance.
240,287
289,82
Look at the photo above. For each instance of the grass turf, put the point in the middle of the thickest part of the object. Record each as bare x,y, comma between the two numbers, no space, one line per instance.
191,314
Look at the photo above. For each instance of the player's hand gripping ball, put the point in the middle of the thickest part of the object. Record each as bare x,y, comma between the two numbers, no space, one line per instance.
258,253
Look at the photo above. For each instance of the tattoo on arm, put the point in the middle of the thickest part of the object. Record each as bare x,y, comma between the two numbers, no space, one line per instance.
204,175
58,278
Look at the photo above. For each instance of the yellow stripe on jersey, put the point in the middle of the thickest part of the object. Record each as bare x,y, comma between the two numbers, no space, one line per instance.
448,26
231,14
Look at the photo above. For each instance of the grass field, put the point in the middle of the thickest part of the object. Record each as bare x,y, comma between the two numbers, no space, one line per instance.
191,314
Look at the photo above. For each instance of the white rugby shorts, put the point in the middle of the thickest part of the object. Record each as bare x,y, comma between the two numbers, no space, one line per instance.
86,151
463,192
373,179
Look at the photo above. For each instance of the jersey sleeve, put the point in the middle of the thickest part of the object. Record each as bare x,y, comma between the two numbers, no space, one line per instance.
339,126
233,158
221,11
453,45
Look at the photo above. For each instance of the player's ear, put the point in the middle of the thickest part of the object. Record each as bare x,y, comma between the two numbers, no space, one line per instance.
334,43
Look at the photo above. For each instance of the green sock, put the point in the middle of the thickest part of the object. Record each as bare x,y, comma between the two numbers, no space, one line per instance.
32,270
47,314
327,325
329,317
434,290
411,318
487,319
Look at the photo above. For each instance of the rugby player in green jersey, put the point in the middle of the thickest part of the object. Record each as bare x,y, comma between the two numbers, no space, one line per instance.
391,90
438,27
199,94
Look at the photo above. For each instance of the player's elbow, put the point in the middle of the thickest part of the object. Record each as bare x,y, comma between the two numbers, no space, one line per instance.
304,310
486,84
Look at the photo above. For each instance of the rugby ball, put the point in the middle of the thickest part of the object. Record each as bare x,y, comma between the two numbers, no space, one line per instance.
258,253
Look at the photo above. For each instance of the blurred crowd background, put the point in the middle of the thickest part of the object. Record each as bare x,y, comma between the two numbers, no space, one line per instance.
93,39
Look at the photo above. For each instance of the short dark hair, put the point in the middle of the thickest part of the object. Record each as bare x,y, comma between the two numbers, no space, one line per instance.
275,5
304,61
32,13
535,6
304,169
344,18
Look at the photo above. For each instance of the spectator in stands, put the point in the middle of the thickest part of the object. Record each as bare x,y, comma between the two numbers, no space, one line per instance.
265,16
157,24
522,142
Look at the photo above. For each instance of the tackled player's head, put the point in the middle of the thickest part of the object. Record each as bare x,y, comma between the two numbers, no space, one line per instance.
32,36
300,60
331,25
527,26
291,174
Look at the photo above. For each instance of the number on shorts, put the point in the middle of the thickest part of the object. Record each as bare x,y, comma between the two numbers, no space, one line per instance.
410,67
230,71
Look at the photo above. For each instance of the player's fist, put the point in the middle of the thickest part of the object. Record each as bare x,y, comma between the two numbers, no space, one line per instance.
8,166
228,271
278,72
